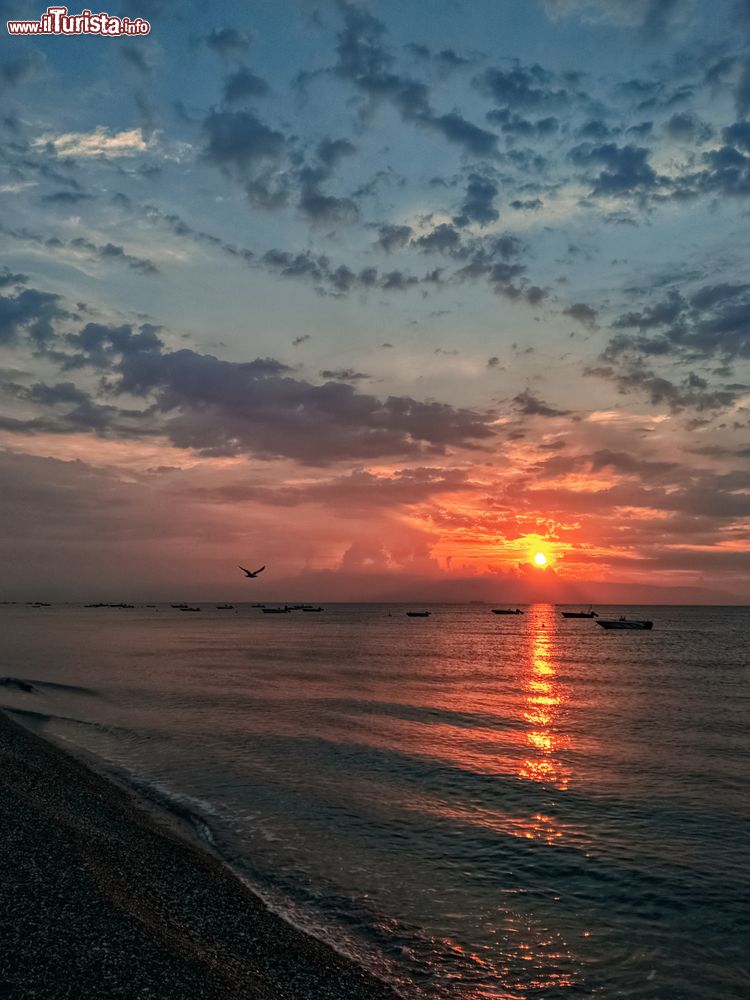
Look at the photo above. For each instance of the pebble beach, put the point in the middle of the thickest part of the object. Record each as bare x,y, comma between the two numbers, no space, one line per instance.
98,901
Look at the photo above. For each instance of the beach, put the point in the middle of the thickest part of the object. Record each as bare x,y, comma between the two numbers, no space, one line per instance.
99,900
466,806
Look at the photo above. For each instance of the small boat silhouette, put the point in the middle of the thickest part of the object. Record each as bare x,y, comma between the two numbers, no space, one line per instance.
506,611
418,614
580,614
225,607
624,623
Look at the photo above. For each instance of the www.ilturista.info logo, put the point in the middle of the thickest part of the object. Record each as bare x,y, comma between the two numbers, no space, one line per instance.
57,21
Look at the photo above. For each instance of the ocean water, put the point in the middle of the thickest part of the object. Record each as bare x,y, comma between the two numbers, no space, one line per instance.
472,806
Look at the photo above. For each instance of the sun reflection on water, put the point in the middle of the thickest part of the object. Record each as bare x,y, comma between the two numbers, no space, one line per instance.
543,697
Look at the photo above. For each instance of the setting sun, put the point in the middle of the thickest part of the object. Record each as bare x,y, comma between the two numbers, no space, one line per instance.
540,559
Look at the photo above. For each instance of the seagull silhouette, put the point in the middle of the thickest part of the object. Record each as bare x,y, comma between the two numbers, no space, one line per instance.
251,574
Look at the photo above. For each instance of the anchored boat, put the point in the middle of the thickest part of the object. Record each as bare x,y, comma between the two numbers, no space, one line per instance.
627,623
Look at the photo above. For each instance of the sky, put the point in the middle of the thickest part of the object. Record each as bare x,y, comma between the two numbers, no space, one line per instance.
388,297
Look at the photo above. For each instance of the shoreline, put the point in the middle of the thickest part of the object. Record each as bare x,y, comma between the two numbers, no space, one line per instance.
100,898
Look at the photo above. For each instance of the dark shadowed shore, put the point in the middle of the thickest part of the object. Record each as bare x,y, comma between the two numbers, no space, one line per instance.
98,901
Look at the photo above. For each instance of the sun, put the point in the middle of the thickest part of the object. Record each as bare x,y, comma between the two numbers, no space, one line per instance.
540,559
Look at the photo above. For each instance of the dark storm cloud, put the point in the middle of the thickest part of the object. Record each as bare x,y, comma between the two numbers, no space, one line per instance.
479,202
242,84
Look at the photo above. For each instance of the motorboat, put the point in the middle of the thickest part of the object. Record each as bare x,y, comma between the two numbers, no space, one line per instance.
624,623
225,607
580,614
275,611
418,614
309,607
189,609
507,611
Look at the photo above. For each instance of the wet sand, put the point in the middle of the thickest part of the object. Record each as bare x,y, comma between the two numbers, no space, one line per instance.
99,900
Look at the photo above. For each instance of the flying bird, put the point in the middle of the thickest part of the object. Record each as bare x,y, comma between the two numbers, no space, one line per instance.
251,574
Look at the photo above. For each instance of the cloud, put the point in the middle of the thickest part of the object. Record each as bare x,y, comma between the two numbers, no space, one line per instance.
344,375
108,252
226,408
529,405
100,142
364,61
685,126
243,83
585,314
15,72
627,170
393,237
479,202
527,87
712,322
442,239
30,311
249,152
313,201
516,127
692,393
651,16
228,42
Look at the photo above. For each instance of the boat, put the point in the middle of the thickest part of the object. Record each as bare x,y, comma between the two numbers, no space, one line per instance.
178,607
257,605
580,614
225,607
626,623
275,611
506,611
418,614
186,608
309,607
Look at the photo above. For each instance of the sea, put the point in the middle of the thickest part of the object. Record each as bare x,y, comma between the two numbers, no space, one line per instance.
472,806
